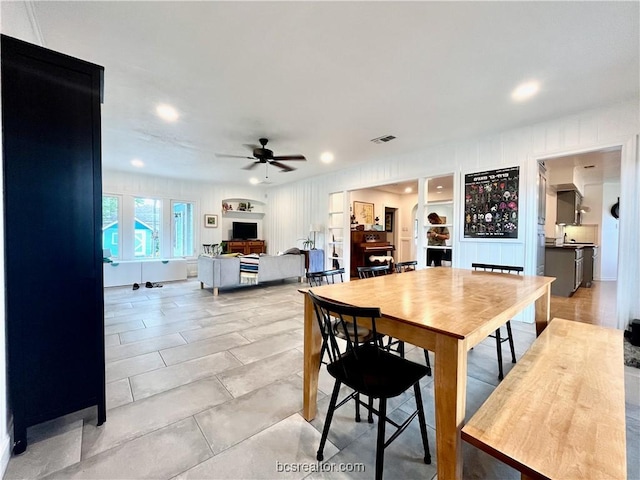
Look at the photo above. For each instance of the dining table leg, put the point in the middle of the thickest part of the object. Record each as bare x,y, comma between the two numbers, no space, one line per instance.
312,346
450,384
543,310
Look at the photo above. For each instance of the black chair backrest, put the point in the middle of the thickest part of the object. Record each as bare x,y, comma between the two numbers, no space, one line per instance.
373,271
488,267
317,279
337,317
406,266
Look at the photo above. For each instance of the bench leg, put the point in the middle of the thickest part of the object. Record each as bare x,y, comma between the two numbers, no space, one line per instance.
215,291
201,285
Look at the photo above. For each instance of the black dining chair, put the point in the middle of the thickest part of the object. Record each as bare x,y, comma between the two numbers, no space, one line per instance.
330,277
401,267
500,339
368,369
372,271
407,266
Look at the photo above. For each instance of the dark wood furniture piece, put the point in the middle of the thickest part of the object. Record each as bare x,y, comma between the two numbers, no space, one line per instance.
368,369
488,267
365,243
53,235
246,247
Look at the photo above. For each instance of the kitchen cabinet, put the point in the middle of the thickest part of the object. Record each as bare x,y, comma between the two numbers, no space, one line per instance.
53,235
568,208
566,264
590,256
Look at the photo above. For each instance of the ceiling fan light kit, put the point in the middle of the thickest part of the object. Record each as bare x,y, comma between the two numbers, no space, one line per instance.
264,155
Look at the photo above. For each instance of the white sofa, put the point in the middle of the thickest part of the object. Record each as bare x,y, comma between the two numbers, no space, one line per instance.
224,272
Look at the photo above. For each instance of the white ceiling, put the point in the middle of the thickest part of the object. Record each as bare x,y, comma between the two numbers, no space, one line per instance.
318,76
595,167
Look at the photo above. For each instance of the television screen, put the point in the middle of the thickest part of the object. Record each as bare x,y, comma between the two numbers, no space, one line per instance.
244,231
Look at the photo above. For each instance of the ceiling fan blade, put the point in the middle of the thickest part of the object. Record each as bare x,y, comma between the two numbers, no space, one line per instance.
224,155
251,165
285,168
289,157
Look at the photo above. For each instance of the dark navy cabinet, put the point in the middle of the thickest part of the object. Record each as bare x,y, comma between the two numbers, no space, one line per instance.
53,253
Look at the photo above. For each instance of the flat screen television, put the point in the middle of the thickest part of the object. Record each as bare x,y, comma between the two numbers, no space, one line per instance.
244,231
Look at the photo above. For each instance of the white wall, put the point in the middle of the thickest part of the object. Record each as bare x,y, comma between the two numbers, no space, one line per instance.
589,130
610,232
208,199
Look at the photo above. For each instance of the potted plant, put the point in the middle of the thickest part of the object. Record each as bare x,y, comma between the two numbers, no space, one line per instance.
307,243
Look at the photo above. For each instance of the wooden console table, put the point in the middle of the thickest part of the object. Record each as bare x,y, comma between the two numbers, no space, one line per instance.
246,247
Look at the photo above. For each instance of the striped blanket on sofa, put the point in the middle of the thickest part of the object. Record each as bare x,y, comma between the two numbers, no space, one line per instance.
249,269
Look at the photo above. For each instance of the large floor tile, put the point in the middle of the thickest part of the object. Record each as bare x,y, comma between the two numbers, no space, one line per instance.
118,393
160,454
129,367
270,329
215,330
161,380
236,420
139,418
205,347
120,352
291,441
51,446
269,346
249,377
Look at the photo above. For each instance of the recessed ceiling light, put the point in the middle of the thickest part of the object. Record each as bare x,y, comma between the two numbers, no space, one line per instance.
439,192
439,187
254,181
326,157
408,190
167,112
525,91
136,162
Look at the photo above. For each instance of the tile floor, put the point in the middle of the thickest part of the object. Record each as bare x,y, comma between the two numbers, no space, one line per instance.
203,387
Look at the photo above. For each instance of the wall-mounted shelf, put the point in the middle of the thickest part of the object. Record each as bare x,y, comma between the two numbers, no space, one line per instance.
241,214
236,208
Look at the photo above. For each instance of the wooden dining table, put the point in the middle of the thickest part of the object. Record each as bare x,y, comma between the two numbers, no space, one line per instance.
445,310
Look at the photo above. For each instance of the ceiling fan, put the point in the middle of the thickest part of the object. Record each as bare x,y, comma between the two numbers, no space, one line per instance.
264,155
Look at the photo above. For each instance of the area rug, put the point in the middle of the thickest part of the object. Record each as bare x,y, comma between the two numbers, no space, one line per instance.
631,354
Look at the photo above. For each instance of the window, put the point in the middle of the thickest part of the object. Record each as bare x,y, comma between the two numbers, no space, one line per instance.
111,224
147,227
182,223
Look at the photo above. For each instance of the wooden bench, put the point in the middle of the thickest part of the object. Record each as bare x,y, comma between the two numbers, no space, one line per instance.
560,412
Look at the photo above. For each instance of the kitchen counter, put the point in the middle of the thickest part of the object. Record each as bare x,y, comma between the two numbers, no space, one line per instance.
566,264
573,245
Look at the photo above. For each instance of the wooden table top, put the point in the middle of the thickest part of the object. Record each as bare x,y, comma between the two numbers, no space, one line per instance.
453,301
560,412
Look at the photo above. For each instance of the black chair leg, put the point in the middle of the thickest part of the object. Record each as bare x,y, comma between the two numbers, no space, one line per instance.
513,350
357,407
327,420
382,420
499,350
427,361
423,423
370,416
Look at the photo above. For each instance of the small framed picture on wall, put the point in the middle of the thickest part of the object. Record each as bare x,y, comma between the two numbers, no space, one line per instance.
211,221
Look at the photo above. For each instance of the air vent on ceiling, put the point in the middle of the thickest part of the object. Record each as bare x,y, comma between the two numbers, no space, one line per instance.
385,139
